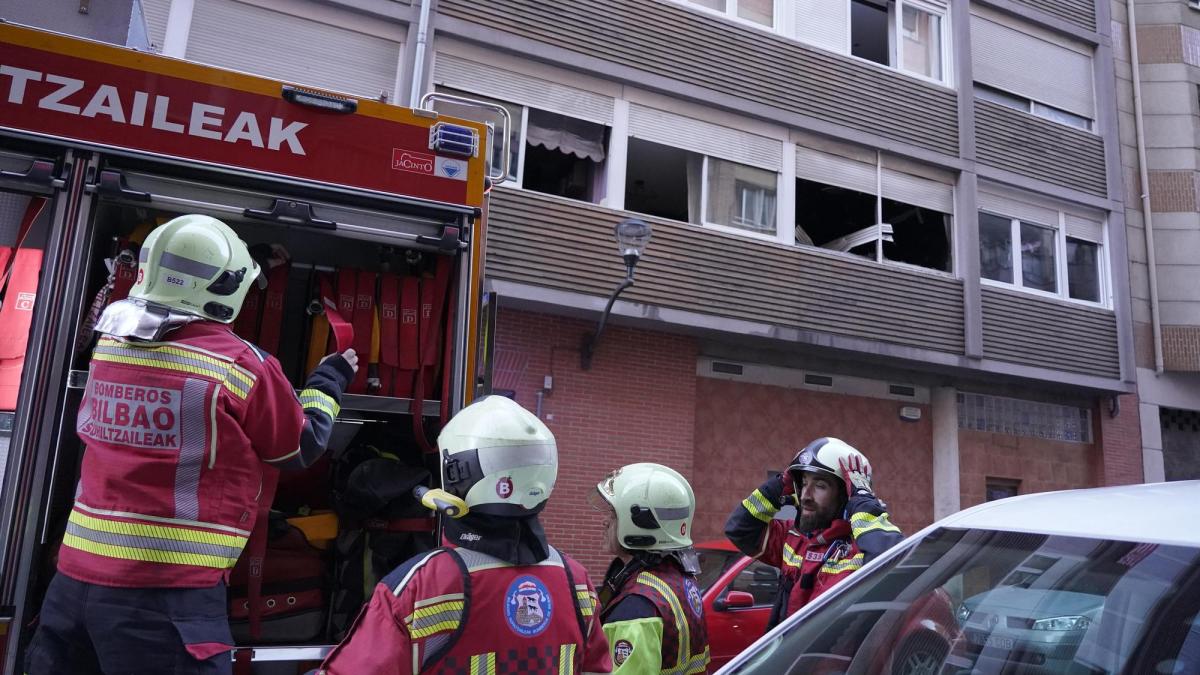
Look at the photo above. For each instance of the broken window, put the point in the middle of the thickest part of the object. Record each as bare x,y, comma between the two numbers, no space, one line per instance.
550,153
688,186
903,34
846,220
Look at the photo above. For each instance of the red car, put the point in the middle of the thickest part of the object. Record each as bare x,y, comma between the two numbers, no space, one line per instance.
738,596
739,593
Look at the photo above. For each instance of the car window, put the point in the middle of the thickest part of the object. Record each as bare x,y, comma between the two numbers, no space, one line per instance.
757,579
713,563
982,602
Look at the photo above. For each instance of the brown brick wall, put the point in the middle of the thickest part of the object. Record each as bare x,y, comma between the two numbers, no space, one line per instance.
1160,44
744,430
1120,440
1040,465
1181,348
1173,191
635,405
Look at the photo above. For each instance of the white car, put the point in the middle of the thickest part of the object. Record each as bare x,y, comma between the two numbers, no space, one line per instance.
1081,582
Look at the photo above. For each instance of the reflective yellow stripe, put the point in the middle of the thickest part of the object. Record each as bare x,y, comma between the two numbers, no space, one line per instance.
699,663
313,398
158,531
844,565
148,555
759,506
861,523
439,599
681,624
439,627
790,557
237,379
431,610
566,659
587,602
483,664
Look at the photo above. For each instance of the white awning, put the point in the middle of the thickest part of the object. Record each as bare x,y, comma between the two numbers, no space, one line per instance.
566,134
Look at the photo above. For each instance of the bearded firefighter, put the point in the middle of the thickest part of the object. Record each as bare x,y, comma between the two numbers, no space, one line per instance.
184,426
497,598
842,525
650,602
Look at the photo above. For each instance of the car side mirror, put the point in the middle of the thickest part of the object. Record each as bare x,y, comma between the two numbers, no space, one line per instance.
735,600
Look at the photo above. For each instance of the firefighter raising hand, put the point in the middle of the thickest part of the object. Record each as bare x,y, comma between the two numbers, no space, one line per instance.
856,471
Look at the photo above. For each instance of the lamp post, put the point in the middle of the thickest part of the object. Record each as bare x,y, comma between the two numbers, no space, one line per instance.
632,236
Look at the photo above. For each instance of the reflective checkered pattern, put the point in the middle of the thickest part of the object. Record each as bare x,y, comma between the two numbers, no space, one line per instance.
531,660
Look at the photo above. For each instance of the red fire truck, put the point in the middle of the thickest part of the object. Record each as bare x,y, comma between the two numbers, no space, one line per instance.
373,216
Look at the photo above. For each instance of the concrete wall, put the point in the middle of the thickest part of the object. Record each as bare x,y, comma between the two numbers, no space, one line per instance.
105,20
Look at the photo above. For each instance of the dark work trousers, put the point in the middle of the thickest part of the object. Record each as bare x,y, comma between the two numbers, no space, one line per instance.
86,629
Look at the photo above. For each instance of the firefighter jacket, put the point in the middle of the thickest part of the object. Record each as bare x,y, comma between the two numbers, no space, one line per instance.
455,610
181,438
809,562
654,622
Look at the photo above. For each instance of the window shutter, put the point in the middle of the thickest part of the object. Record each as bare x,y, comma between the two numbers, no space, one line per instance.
706,138
255,40
1031,66
1085,228
918,191
830,169
155,13
466,75
1013,208
824,23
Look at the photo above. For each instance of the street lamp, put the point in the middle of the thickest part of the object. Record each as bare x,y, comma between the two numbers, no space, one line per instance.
632,237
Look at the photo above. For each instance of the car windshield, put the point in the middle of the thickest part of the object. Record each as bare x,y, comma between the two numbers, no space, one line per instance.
713,563
983,602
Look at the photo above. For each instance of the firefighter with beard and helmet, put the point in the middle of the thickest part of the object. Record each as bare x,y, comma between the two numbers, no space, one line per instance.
651,607
497,597
842,525
184,426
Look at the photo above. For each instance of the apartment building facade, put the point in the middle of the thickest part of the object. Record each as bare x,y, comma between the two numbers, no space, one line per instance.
1160,137
899,222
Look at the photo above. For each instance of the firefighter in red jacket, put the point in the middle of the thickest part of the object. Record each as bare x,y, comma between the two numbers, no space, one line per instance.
650,604
842,524
184,424
498,598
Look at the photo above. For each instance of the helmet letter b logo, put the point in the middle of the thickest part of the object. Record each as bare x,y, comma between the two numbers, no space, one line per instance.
504,487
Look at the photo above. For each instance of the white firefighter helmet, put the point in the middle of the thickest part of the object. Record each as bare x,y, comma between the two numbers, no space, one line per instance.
654,505
499,458
197,265
823,457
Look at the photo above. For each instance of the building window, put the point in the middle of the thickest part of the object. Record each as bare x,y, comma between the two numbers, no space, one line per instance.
760,12
1027,255
688,186
1002,488
1032,107
1018,417
903,34
872,226
549,153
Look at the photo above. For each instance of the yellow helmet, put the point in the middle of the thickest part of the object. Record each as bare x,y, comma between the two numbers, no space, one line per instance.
499,458
654,505
197,265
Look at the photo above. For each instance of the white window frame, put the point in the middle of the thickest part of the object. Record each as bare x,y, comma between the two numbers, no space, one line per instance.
1031,107
895,21
1060,261
704,187
731,12
895,32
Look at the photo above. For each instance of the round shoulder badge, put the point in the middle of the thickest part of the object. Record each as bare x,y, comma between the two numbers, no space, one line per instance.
527,606
693,596
622,650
